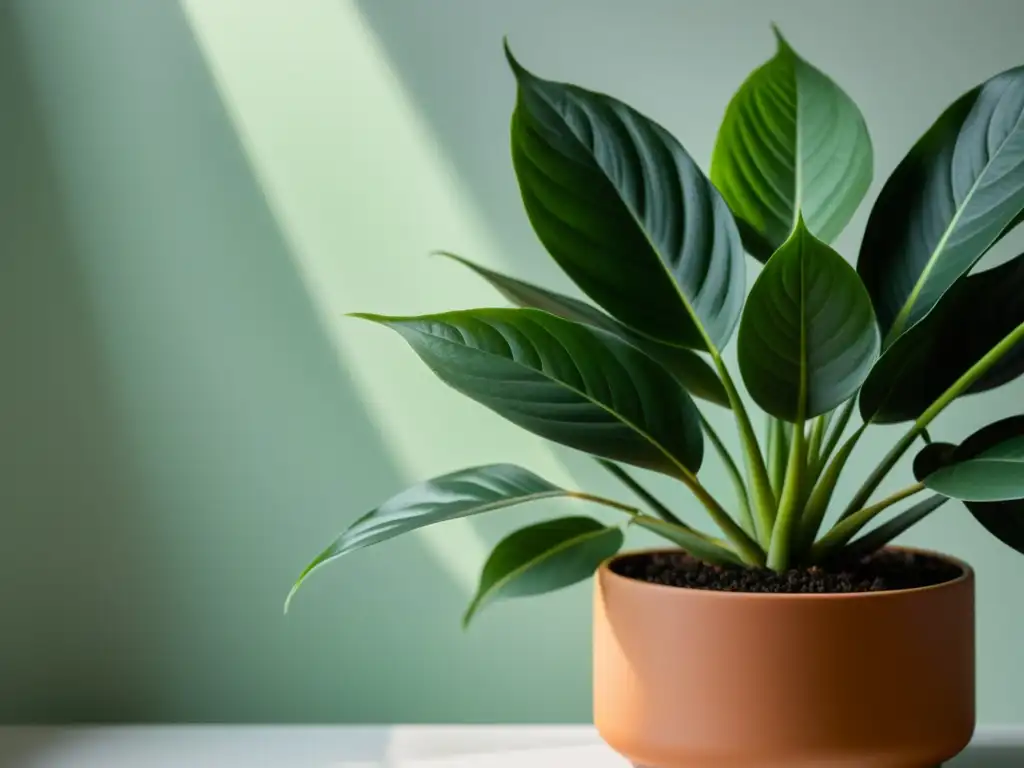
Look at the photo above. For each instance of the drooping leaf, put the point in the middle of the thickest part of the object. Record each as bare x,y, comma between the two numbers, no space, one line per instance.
692,370
1003,519
808,336
466,492
626,213
543,558
570,383
954,194
972,318
987,467
791,141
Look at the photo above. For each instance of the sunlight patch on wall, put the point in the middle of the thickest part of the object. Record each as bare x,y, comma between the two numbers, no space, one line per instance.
363,193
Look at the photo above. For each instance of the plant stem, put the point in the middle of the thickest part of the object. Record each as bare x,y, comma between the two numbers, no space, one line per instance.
960,386
651,500
746,518
789,505
778,451
824,487
883,534
814,443
757,472
847,528
839,425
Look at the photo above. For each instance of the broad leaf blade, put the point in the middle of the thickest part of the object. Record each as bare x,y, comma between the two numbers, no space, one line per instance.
465,492
692,371
808,336
995,474
543,558
791,142
626,213
570,383
973,317
1003,519
956,192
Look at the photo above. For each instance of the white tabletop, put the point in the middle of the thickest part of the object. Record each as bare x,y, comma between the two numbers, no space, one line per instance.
361,747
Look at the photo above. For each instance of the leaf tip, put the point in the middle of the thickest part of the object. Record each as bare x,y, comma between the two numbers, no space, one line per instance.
783,44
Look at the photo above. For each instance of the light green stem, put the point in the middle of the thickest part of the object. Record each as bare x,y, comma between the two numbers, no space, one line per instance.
757,472
746,547
824,487
814,443
847,528
778,452
746,518
789,505
626,479
839,425
960,386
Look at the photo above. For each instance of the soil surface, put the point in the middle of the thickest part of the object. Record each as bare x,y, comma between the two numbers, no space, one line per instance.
882,571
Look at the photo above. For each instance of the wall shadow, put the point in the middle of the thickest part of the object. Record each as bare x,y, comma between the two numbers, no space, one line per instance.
177,437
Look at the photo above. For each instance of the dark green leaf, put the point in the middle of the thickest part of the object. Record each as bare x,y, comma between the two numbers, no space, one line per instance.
458,494
689,541
567,382
987,467
973,317
1003,519
808,336
791,140
932,458
544,558
692,371
948,201
883,534
626,213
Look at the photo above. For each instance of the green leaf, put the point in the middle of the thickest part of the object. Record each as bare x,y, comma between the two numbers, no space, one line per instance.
570,383
465,492
808,336
973,317
885,533
626,213
689,541
692,371
791,141
543,558
992,473
932,458
1003,519
956,192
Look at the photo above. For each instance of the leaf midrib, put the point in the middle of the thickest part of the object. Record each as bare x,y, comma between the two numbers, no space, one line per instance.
618,417
908,306
548,553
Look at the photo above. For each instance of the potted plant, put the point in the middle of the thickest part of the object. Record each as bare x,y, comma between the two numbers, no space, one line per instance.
776,640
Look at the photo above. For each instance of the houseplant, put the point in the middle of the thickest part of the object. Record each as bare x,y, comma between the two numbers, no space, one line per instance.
777,640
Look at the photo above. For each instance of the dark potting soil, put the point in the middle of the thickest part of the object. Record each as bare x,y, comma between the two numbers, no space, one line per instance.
882,571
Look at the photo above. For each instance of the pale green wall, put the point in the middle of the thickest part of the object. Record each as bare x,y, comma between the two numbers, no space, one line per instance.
192,195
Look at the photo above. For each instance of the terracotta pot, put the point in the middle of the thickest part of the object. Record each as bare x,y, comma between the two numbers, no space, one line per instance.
687,678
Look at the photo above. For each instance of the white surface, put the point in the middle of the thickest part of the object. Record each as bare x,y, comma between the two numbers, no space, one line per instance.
361,747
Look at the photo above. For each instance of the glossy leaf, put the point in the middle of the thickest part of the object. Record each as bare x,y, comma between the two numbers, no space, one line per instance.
543,558
932,458
1003,519
971,319
465,492
994,474
626,213
791,141
692,370
567,382
808,336
957,191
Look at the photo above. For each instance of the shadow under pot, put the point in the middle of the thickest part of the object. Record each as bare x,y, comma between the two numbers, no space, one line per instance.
695,678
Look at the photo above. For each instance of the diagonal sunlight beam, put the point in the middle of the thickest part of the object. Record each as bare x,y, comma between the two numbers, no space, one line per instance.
361,193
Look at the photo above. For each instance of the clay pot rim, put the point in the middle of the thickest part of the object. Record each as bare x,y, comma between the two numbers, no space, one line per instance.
966,575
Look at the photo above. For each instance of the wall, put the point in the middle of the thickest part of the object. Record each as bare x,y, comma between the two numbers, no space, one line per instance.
193,196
